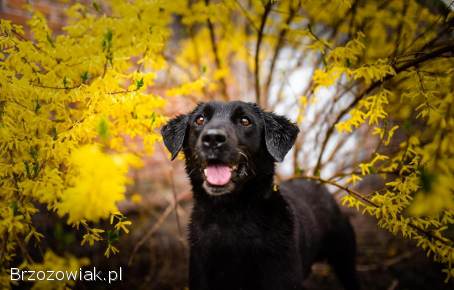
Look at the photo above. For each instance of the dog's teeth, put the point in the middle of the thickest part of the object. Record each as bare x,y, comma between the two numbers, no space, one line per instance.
205,172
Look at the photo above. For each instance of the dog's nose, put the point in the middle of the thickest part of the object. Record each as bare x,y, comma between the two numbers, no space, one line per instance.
214,138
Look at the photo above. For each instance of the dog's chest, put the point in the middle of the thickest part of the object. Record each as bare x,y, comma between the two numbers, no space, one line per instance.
244,232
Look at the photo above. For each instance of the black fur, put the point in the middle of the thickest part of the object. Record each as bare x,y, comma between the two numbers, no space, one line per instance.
246,235
173,134
280,135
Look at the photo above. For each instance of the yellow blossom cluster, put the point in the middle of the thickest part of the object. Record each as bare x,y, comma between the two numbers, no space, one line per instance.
100,182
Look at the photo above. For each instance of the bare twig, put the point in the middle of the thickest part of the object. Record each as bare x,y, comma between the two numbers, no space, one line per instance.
104,69
217,60
246,14
157,225
350,191
184,69
260,34
279,45
24,251
56,88
309,28
123,91
351,26
18,35
175,202
394,285
443,32
399,30
152,230
3,246
140,66
386,263
197,54
79,85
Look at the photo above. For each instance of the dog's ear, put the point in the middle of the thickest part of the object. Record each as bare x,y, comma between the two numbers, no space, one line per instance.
174,133
280,135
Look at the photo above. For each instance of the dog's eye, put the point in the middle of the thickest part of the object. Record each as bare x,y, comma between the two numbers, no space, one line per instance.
245,121
200,120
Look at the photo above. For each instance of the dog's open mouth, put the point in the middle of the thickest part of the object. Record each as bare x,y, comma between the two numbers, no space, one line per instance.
218,174
221,177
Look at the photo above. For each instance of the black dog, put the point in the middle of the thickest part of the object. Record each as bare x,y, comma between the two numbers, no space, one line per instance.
244,232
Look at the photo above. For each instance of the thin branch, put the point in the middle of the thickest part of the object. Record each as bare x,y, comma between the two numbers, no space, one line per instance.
104,69
123,91
140,66
309,28
3,246
359,196
279,45
268,7
157,225
246,14
350,191
334,103
339,145
285,77
197,55
340,174
79,85
386,263
443,32
351,26
26,40
217,60
152,230
175,202
56,88
24,251
399,30
184,69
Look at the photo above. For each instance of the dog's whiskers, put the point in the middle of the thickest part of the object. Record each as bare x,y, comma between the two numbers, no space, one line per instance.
250,165
244,155
190,172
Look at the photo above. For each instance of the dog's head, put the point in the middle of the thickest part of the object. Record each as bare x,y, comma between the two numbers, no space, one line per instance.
227,144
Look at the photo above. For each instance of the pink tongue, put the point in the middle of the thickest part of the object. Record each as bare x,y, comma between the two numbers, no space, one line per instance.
218,174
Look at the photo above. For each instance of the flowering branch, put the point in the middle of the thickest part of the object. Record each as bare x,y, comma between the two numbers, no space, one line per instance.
364,199
412,63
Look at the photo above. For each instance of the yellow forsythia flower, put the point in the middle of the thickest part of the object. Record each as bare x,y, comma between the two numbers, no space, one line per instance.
99,184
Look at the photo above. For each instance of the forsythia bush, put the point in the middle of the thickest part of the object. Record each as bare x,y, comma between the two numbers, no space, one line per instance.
380,71
59,95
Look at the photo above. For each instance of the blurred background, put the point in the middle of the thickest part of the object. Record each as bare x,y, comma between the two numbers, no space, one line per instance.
316,62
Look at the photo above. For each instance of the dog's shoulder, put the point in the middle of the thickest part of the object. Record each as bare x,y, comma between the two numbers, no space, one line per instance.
308,191
312,202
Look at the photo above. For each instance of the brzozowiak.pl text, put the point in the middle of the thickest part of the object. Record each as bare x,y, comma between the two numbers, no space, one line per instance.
93,274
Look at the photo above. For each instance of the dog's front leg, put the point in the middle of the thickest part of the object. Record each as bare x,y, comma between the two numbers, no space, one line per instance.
277,275
281,283
197,275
